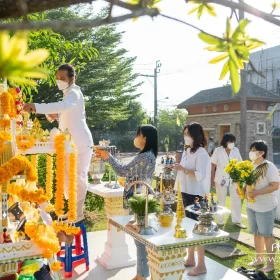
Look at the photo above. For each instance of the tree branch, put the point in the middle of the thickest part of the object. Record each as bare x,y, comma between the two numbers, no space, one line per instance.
248,9
75,24
8,9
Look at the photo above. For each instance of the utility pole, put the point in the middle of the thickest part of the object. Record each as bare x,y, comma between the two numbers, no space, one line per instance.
156,71
243,105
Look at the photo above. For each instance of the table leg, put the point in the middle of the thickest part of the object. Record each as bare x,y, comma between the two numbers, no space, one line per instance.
116,252
166,265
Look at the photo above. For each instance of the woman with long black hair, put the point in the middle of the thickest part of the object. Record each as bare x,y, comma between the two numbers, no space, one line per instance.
140,168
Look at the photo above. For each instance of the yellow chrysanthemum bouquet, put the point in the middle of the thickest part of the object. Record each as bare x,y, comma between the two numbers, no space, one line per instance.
243,174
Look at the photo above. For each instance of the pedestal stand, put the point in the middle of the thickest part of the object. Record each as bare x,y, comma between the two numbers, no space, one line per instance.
116,253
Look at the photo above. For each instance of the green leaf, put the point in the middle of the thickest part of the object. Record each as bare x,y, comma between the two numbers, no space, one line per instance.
200,11
228,28
233,55
243,24
210,10
271,112
218,58
194,9
243,52
234,77
209,39
224,70
240,63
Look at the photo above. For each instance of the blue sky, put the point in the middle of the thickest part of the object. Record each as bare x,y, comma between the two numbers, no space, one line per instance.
185,69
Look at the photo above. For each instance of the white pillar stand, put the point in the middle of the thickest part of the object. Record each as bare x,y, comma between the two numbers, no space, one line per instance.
116,254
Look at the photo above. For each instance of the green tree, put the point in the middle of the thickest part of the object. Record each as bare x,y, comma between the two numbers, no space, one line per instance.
107,80
170,124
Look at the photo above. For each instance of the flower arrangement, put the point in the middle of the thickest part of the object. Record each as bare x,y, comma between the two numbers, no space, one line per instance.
137,204
25,142
243,174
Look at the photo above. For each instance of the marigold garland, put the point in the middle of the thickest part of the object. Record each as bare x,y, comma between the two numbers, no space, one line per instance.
25,142
14,166
6,103
5,123
38,196
67,228
49,177
72,187
34,162
55,266
4,137
60,159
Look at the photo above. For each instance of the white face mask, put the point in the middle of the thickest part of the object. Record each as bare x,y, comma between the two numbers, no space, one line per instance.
188,140
253,156
230,145
62,85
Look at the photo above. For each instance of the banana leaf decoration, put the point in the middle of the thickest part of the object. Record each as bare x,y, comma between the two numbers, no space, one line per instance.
261,170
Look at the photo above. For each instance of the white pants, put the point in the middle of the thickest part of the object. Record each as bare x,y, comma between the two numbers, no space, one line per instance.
235,202
82,179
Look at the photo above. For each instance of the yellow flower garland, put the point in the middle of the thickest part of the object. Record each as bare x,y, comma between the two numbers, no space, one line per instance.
38,196
49,177
34,162
4,137
6,104
67,228
14,166
25,142
72,188
55,266
60,159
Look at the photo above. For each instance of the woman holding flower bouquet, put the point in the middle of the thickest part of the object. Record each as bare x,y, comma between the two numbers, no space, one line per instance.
262,203
221,181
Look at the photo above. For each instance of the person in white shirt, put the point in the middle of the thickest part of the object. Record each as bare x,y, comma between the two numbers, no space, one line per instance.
221,181
70,112
211,146
194,175
261,213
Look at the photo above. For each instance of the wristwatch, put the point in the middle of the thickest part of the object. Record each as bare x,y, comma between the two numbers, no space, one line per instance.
186,172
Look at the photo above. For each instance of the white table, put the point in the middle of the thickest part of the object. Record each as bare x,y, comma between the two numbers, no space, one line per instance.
165,253
116,253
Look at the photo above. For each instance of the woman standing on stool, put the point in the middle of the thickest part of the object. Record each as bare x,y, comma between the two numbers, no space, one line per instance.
141,168
221,181
194,178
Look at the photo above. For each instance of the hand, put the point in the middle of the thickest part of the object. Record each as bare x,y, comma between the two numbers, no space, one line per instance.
213,184
179,167
53,116
101,153
30,108
253,193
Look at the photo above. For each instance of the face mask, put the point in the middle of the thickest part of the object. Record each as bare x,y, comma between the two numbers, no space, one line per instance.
188,140
230,145
253,156
62,85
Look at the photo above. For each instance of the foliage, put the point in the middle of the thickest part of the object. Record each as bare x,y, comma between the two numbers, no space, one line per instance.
235,46
200,7
107,80
167,126
138,203
93,202
16,63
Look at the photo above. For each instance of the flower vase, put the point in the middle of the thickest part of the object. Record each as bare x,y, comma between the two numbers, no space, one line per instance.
140,220
250,199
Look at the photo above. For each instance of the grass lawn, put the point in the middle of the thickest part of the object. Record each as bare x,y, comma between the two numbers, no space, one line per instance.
97,221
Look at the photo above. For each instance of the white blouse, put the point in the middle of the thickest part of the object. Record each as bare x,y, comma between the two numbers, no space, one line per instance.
221,159
200,163
265,202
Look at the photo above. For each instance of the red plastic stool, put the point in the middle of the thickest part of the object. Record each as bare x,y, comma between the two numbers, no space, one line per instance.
73,255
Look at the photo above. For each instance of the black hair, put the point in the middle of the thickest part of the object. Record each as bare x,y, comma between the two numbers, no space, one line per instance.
69,68
197,134
228,137
260,146
150,132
